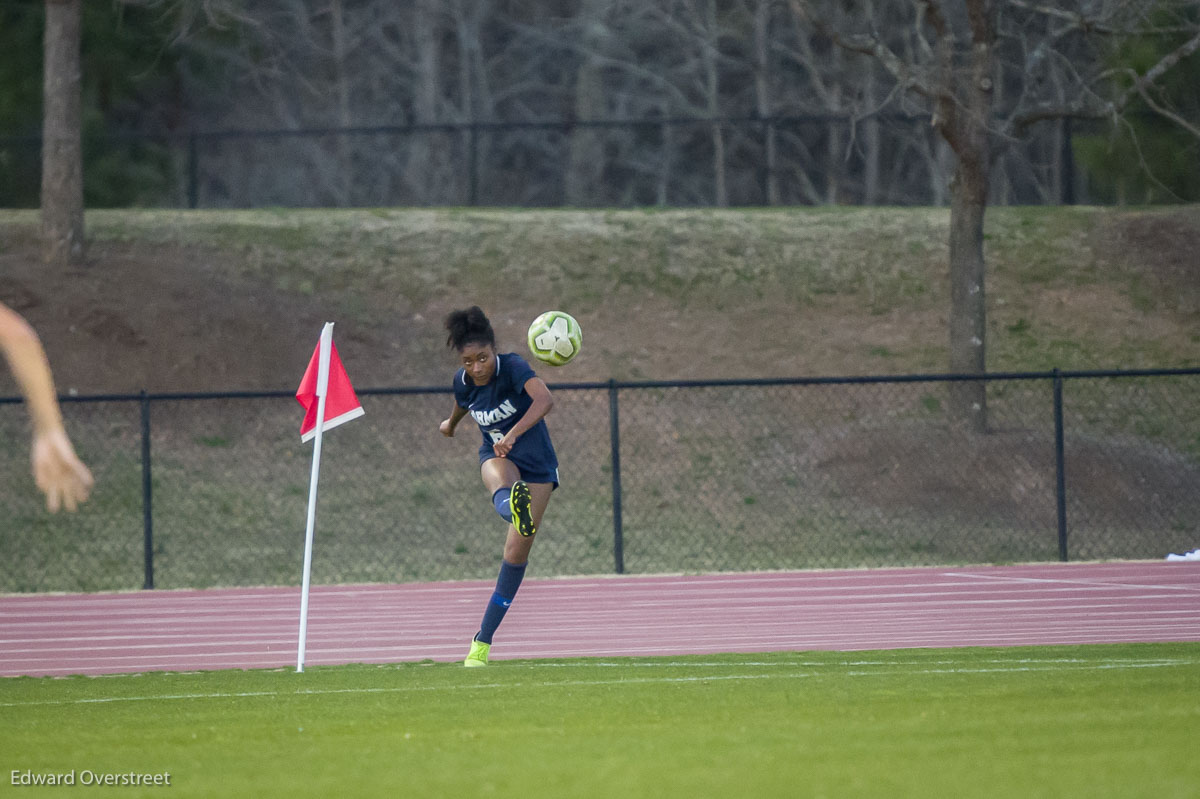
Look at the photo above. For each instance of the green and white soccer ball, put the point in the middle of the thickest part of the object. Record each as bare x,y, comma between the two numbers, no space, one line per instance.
555,338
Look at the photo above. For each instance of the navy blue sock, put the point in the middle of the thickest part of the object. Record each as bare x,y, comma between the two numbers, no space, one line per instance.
500,500
506,589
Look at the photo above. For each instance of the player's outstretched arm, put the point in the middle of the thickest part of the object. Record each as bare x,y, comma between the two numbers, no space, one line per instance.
57,470
447,426
59,473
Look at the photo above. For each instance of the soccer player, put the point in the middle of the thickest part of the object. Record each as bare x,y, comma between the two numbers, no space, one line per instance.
516,459
58,472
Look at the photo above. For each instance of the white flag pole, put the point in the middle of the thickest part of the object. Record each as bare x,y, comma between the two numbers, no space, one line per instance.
322,390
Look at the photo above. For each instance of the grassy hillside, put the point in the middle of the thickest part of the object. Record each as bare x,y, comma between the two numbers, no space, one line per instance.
716,478
233,299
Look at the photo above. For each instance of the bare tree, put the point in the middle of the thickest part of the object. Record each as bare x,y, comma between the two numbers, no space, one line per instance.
341,80
474,103
62,149
836,73
710,56
585,164
691,66
953,54
428,98
763,98
843,94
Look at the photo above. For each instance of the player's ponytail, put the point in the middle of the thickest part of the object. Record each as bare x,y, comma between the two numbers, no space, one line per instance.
469,326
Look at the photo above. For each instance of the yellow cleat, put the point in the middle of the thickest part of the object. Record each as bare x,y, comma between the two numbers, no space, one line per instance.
478,654
519,502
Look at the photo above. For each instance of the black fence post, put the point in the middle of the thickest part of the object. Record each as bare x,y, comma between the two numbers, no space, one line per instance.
193,170
1060,487
473,166
147,515
614,421
1068,163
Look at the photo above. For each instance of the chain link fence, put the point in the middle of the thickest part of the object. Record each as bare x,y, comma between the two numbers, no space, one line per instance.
650,161
206,490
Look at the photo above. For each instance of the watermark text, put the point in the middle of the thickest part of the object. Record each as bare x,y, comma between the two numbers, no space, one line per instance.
26,778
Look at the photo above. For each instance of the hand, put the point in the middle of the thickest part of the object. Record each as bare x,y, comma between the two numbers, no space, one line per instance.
504,446
59,473
446,429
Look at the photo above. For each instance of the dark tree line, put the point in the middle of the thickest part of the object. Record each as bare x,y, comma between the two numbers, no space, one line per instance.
838,124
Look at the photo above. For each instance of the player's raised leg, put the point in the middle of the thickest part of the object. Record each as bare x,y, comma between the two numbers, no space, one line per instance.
536,496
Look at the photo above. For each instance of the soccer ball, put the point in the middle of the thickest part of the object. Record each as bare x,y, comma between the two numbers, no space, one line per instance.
555,338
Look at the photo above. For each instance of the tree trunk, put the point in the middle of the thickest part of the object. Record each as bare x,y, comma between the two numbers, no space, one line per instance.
469,95
665,162
872,142
968,201
967,132
345,177
720,189
712,82
762,96
62,149
423,163
833,150
585,154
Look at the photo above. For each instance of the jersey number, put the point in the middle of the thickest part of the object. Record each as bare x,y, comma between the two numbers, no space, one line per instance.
496,435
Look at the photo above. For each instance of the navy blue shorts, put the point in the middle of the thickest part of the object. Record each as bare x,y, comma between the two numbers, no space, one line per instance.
533,469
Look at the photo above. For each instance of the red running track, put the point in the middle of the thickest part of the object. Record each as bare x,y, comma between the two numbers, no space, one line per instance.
604,617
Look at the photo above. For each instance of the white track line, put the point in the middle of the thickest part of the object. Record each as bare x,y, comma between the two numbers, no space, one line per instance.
1000,578
704,678
631,615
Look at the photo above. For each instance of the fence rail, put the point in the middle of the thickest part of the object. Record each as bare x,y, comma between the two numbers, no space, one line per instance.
763,160
203,489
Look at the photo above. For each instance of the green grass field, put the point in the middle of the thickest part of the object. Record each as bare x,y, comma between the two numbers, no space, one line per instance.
1095,721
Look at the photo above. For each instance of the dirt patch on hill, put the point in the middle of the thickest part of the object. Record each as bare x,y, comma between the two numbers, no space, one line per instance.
1007,477
167,319
1164,252
174,317
164,319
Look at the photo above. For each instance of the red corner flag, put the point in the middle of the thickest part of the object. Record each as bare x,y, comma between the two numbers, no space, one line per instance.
341,403
326,394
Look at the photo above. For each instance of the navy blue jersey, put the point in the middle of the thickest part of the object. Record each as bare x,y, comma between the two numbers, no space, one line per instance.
498,406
